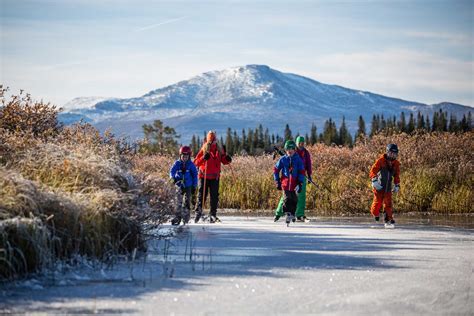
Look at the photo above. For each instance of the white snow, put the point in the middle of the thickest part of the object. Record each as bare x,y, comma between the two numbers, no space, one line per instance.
252,266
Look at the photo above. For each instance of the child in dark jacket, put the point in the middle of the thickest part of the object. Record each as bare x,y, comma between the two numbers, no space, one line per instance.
184,174
292,178
385,169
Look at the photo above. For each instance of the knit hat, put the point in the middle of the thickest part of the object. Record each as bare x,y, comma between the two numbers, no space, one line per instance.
299,139
211,136
289,144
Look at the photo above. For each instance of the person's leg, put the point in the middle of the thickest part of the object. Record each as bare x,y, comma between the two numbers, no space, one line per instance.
279,209
301,204
214,192
201,199
387,206
377,203
289,203
186,204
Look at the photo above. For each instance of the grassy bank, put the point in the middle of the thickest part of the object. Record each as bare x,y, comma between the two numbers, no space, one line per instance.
68,192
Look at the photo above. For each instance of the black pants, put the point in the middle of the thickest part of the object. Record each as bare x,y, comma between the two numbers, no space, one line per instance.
184,202
212,186
289,202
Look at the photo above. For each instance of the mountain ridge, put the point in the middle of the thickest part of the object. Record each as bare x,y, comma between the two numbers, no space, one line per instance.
243,97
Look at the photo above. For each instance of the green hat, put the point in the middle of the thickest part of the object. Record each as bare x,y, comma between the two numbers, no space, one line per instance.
299,139
289,144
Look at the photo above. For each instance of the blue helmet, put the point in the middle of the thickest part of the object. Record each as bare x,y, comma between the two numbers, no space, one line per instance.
392,148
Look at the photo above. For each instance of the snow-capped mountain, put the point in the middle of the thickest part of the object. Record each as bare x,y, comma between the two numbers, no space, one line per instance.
243,97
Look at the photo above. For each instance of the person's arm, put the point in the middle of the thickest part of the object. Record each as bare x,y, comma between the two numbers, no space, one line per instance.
309,164
194,175
173,170
375,168
301,172
198,160
276,173
225,158
396,176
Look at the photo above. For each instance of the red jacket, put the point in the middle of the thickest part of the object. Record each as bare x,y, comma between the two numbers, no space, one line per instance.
213,164
386,170
306,158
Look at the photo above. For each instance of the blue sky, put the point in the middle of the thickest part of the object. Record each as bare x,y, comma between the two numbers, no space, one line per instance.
414,50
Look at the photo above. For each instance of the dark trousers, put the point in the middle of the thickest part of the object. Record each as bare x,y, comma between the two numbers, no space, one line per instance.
185,197
290,201
212,186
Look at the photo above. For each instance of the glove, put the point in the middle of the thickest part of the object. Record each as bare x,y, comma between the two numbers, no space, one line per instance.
299,188
376,184
278,185
228,158
396,188
178,183
310,180
206,156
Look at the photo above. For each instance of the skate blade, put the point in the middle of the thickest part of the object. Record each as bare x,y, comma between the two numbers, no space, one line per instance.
390,226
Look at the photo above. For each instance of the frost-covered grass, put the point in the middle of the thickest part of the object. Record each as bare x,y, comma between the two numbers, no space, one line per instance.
68,192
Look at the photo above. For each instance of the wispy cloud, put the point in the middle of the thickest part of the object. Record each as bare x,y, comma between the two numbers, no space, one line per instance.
148,27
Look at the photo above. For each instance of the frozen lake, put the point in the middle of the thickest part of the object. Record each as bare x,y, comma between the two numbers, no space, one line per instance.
253,266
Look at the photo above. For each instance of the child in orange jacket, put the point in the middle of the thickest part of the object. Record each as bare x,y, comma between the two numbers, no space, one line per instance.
385,168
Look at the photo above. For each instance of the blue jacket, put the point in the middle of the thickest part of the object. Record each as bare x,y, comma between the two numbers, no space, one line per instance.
292,171
184,171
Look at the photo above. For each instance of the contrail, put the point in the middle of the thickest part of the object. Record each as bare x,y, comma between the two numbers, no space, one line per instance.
159,24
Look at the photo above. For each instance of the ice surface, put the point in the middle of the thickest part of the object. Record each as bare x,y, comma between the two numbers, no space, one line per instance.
253,266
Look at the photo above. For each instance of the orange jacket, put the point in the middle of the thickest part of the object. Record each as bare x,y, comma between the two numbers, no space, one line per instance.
385,170
213,170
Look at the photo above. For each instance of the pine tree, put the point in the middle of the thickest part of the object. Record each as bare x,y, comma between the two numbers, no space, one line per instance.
245,144
194,145
453,124
345,137
237,145
250,138
374,128
411,124
402,123
229,142
420,122
314,135
287,133
361,127
160,138
444,120
330,135
266,140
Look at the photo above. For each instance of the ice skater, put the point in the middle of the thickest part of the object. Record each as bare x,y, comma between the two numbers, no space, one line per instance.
292,171
385,169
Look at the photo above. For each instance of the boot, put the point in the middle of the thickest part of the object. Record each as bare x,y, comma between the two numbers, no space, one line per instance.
175,221
276,218
214,219
198,216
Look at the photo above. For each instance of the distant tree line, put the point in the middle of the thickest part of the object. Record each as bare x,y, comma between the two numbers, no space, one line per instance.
164,139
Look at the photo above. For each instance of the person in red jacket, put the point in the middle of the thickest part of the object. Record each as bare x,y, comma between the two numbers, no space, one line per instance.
385,169
208,161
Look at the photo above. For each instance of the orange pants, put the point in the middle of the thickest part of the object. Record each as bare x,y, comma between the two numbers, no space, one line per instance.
379,198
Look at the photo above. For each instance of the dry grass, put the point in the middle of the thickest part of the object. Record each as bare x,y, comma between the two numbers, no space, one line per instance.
436,176
70,186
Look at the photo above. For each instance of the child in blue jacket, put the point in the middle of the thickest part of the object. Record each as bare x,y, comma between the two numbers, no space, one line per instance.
185,176
292,178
